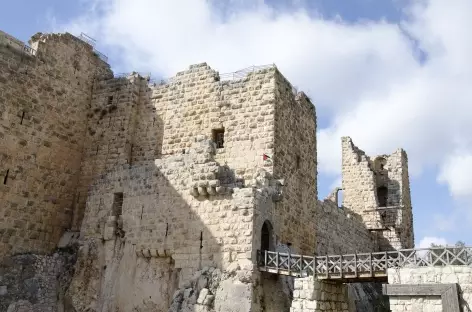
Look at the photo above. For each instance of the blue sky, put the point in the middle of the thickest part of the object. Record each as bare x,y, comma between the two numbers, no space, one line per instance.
356,59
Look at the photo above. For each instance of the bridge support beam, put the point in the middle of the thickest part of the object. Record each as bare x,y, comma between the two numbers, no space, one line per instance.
313,295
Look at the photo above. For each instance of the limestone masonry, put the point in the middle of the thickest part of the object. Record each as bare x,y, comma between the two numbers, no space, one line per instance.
121,194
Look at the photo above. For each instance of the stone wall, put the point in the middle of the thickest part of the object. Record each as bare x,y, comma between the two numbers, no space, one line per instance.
339,231
44,100
294,161
377,189
111,133
315,295
176,215
198,205
461,275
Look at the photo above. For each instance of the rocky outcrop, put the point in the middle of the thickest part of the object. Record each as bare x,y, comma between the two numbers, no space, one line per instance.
210,290
37,283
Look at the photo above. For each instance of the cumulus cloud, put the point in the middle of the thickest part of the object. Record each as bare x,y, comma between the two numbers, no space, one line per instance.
386,85
427,241
456,172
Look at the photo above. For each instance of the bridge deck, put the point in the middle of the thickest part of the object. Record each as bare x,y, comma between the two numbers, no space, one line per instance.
363,266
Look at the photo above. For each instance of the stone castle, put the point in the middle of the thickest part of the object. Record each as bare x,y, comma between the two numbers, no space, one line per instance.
123,194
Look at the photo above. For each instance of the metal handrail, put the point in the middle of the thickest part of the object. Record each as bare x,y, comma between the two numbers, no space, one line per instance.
89,40
231,76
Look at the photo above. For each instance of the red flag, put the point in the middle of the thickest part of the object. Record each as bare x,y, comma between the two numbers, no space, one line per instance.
265,156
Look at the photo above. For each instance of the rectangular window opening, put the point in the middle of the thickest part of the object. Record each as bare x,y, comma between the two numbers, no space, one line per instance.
298,161
130,156
117,208
22,117
201,240
110,100
5,179
219,137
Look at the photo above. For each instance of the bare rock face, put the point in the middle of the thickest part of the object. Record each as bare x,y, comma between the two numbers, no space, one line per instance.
37,283
213,290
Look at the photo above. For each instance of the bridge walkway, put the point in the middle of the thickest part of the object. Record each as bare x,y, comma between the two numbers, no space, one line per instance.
360,267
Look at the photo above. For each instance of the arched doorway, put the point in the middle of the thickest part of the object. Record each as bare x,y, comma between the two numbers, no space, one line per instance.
267,242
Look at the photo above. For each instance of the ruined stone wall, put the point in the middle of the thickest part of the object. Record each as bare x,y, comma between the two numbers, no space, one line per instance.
295,162
44,99
461,275
377,189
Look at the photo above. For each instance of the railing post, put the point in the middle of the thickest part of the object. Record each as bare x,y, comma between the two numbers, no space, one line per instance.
370,264
314,266
341,261
386,262
301,264
355,265
277,261
289,263
327,267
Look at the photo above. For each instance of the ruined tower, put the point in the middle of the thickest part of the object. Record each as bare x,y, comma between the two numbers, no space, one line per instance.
378,190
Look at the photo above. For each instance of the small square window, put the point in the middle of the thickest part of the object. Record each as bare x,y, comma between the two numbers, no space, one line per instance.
219,137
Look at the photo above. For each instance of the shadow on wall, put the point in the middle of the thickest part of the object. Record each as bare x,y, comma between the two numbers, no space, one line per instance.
150,228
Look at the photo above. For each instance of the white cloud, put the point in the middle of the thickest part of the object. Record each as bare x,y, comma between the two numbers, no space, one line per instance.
366,75
456,172
428,240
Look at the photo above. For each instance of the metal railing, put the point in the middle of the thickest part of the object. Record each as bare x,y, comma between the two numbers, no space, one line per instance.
361,265
87,39
6,39
237,75
243,73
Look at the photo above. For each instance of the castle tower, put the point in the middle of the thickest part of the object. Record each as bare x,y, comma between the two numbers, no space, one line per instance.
378,190
197,172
